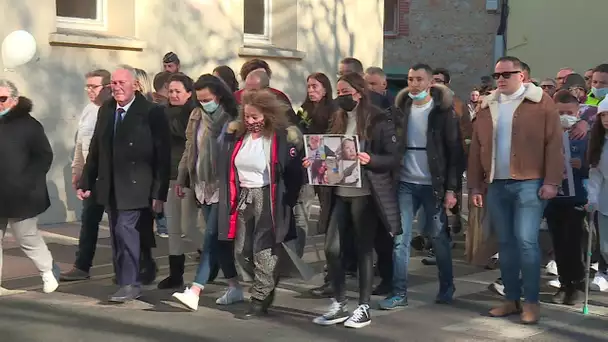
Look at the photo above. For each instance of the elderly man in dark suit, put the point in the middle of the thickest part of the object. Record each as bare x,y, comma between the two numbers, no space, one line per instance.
128,166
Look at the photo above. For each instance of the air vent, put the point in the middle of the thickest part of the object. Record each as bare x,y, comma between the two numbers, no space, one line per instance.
492,5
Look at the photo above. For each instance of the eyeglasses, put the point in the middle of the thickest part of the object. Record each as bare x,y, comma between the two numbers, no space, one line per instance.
506,75
3,99
547,86
92,86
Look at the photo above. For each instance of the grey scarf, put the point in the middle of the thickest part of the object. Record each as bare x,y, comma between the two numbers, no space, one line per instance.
208,151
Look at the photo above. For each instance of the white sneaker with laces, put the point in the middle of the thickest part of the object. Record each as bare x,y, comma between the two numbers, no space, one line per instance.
337,313
600,282
595,266
360,317
49,282
188,298
551,268
554,283
231,296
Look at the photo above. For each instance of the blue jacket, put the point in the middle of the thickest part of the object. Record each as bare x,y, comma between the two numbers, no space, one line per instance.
578,150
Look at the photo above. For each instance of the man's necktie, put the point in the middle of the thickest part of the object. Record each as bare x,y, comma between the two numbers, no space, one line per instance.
118,118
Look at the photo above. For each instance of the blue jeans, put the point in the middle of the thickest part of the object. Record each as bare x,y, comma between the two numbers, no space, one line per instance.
516,212
210,245
411,197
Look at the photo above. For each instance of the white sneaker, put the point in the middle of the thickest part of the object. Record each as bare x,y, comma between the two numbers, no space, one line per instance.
600,282
595,266
551,268
188,298
49,281
231,296
554,283
337,313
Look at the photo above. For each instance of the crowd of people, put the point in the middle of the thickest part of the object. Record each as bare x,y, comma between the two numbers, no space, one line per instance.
157,151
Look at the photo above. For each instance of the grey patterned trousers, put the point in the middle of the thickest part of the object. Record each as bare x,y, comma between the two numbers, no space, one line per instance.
255,240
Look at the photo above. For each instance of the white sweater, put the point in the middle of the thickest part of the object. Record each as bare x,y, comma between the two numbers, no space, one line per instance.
86,127
504,131
597,187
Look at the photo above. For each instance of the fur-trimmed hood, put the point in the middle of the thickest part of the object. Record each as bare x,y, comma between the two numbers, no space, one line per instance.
532,93
442,95
24,107
294,135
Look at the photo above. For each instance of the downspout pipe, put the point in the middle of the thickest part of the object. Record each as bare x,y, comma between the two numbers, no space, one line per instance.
500,41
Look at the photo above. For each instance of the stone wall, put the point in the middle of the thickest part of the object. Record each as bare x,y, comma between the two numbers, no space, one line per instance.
453,34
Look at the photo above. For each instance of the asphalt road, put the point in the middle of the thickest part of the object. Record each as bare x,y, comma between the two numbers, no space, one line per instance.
79,311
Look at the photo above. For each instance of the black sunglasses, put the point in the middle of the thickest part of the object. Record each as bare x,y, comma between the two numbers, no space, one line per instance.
3,99
506,75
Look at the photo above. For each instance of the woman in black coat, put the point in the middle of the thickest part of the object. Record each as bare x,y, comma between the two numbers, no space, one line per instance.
375,201
26,157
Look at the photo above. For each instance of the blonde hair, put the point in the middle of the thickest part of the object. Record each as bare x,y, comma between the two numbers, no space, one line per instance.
269,105
144,85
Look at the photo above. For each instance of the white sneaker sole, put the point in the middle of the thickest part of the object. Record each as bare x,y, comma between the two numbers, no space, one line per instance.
182,300
321,321
51,288
355,325
597,288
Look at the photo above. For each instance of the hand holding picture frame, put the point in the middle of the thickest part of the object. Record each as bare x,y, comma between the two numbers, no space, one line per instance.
334,160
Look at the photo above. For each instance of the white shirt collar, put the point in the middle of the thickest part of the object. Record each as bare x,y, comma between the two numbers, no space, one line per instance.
516,95
127,106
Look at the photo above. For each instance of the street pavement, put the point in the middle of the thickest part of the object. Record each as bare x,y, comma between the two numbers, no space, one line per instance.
79,311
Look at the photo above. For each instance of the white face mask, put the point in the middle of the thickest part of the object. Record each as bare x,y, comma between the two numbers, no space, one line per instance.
568,121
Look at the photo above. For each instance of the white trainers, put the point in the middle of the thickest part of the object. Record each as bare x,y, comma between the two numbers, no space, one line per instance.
555,283
188,298
360,317
600,282
551,268
231,296
595,266
49,282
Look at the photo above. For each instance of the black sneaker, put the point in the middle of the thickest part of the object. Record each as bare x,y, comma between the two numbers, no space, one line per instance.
337,313
558,297
360,317
430,259
573,295
497,287
383,289
324,291
74,275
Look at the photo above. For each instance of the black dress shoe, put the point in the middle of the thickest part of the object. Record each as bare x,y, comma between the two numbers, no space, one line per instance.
256,309
324,290
125,294
74,274
383,289
147,274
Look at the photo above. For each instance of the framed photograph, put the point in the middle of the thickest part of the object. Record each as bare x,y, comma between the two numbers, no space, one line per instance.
334,158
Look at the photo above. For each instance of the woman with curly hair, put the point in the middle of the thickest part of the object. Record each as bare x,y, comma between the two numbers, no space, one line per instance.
260,176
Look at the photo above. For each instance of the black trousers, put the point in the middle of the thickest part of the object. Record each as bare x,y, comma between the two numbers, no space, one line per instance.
566,225
358,211
92,214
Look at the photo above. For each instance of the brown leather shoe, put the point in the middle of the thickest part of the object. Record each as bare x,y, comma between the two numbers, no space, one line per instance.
530,313
506,309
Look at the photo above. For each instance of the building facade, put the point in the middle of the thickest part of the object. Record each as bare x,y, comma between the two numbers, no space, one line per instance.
553,34
297,37
454,34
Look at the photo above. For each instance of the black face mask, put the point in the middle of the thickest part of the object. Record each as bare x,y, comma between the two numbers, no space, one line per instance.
346,102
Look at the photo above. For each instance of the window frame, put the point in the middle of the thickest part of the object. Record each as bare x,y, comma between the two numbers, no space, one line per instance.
99,24
395,30
265,37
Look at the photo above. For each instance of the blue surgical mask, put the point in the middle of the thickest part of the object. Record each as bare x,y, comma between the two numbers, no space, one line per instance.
418,97
599,93
210,106
4,112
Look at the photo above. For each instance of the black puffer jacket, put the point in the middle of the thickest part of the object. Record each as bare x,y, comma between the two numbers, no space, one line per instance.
26,157
444,145
383,150
178,117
